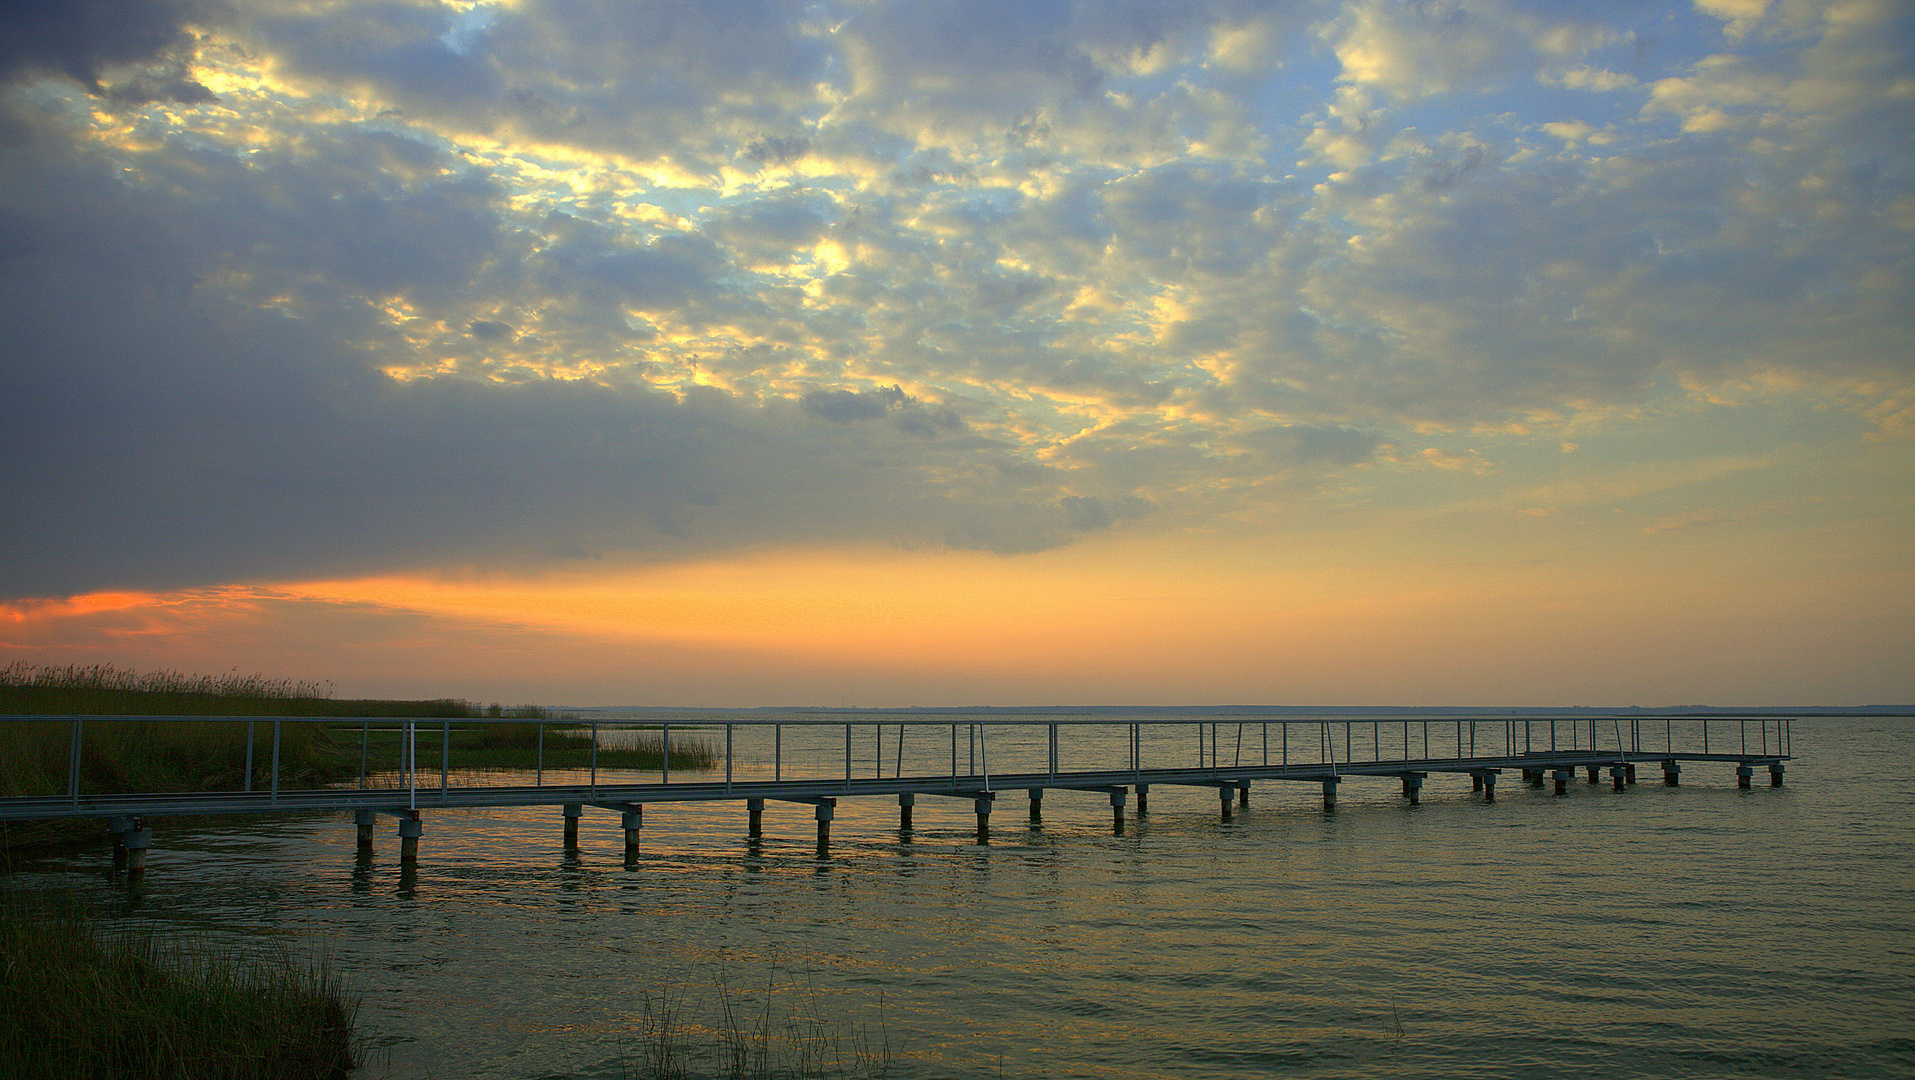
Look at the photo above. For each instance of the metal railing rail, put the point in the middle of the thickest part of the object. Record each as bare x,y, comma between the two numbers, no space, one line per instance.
1064,751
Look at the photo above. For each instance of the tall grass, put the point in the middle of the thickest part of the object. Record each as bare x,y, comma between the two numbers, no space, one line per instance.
86,1003
784,1037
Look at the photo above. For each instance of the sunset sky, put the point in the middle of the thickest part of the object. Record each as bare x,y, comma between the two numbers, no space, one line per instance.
943,352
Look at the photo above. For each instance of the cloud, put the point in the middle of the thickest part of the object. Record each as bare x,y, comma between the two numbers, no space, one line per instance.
504,286
86,39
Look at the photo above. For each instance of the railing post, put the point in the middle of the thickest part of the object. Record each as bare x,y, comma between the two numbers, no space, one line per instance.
73,761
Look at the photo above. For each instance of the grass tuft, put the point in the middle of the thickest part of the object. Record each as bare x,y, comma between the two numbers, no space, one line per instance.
86,1003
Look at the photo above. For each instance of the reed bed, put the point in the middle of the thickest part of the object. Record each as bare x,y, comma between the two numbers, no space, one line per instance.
557,744
89,1003
786,1036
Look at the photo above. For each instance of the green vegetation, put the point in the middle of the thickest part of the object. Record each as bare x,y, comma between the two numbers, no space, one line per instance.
211,754
782,1039
106,690
91,1004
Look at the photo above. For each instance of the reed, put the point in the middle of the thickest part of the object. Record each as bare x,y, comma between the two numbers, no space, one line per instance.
88,1003
784,1037
557,744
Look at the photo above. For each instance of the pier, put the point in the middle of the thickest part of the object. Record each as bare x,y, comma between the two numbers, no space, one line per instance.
817,761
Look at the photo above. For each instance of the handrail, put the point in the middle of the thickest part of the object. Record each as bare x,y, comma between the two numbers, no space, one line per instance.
1051,747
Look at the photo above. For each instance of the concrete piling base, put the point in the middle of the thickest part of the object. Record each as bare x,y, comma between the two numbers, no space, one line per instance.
754,818
982,806
1330,792
1595,773
120,826
1489,787
1226,797
1629,772
1742,774
1775,774
1117,809
632,820
1618,777
1413,789
1037,805
138,840
1243,793
1672,773
573,811
906,800
410,829
824,812
1562,778
1143,799
363,821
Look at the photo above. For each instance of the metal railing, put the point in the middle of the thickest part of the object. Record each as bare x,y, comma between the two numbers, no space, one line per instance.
969,752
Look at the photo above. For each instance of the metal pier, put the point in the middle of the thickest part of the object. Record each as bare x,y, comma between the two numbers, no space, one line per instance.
817,761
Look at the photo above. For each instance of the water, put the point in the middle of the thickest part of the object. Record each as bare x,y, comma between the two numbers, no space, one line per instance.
1695,931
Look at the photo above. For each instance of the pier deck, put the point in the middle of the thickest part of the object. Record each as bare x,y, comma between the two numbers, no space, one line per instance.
818,761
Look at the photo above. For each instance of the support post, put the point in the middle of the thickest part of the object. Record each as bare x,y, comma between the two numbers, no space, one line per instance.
1117,808
1595,773
1672,773
754,818
1489,787
1742,774
1413,787
1629,772
1226,797
1775,774
363,821
1534,777
121,826
1037,805
824,811
1143,799
1330,792
573,811
1618,777
982,805
138,840
1475,782
410,829
1562,777
633,822
1243,793
906,800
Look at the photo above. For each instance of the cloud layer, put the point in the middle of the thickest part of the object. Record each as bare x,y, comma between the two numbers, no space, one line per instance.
291,292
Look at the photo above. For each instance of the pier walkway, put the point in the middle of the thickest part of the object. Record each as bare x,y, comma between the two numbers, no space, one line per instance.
818,760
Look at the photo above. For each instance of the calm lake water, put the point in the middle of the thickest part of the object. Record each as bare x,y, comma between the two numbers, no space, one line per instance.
1697,931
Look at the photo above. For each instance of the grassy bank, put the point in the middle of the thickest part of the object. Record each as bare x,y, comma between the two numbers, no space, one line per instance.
89,1003
210,754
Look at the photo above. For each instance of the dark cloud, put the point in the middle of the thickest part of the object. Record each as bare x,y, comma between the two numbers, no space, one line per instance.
83,39
906,413
1309,444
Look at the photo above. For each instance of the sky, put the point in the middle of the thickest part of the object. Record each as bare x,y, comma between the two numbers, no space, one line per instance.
944,352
